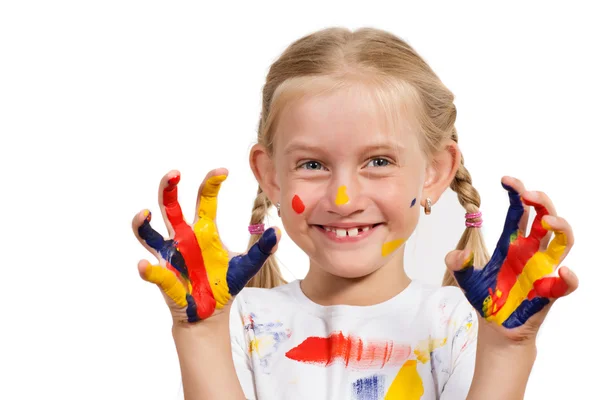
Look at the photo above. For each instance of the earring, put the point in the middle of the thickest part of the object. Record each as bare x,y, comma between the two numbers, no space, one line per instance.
278,206
427,206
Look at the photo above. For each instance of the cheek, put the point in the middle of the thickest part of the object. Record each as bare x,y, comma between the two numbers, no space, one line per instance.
399,204
299,199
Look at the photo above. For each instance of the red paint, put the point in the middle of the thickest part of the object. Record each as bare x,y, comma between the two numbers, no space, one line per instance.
350,350
551,287
519,252
190,250
298,205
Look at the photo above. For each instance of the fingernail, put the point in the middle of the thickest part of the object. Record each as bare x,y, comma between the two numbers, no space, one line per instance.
467,257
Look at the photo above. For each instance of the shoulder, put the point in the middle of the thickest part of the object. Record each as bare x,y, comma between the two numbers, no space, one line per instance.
441,296
446,306
250,298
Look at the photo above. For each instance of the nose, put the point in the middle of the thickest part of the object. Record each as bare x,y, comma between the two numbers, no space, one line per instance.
345,196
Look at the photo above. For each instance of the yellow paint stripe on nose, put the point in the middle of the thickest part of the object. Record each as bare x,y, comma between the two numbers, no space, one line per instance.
342,197
389,247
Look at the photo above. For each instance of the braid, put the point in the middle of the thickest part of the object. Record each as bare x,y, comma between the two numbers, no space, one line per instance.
472,238
269,275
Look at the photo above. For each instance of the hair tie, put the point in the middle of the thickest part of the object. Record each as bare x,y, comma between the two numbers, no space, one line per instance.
473,220
256,229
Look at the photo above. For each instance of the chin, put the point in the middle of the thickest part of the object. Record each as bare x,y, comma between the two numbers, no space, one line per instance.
350,267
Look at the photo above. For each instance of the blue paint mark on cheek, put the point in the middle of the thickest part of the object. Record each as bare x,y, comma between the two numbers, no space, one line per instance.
412,203
370,387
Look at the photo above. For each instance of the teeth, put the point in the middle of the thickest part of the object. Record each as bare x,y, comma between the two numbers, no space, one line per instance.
339,232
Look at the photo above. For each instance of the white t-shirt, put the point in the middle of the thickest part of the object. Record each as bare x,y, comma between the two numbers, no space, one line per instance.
418,345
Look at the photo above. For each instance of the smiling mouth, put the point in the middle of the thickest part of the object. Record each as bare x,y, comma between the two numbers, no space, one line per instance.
347,232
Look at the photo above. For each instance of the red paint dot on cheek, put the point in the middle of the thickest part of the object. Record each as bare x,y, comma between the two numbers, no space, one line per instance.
297,205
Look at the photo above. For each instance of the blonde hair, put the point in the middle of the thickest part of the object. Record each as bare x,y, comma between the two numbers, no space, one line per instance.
335,58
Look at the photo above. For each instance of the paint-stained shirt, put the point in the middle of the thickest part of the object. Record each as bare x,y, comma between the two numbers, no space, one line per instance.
418,345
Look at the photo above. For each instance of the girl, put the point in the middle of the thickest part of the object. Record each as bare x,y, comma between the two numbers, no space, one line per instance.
356,132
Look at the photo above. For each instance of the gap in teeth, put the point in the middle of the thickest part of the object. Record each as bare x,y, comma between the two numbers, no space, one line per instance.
339,232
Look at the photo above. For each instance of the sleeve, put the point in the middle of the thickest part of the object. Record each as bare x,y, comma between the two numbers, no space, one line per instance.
239,350
462,357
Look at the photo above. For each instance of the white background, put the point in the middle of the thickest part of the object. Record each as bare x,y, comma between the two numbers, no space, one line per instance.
98,100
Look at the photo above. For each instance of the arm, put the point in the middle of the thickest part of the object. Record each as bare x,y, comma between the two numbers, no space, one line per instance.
205,360
501,369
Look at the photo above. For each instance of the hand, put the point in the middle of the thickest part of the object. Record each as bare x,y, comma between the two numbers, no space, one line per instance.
195,273
514,290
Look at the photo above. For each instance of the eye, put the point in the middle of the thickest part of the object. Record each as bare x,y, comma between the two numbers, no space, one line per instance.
311,165
378,162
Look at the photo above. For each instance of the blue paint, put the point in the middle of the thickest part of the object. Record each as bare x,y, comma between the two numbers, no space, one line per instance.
476,282
369,388
192,309
525,310
243,267
412,203
166,248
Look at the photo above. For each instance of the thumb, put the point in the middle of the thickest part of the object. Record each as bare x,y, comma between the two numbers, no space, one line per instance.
243,267
458,260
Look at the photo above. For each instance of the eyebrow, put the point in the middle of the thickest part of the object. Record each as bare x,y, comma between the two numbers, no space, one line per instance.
369,149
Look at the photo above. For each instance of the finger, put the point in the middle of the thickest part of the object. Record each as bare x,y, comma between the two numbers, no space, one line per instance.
511,224
208,197
570,278
211,174
543,206
563,239
458,260
552,287
169,204
165,280
145,234
158,246
243,268
519,187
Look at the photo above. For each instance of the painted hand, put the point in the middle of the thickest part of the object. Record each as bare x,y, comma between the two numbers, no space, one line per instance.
515,285
195,273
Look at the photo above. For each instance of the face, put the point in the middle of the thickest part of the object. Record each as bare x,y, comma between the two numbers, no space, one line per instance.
349,187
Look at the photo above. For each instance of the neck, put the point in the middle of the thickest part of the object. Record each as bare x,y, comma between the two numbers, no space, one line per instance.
386,282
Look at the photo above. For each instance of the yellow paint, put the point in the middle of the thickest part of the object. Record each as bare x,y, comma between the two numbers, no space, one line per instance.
168,282
557,247
261,345
545,225
424,348
469,261
216,259
389,247
407,385
498,293
538,266
342,197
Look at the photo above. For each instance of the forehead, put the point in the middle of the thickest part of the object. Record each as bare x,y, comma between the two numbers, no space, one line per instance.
345,118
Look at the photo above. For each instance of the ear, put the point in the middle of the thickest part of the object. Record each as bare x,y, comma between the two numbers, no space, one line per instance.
440,171
263,168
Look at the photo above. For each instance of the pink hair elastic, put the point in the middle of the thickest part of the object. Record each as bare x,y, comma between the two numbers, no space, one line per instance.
256,229
473,224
